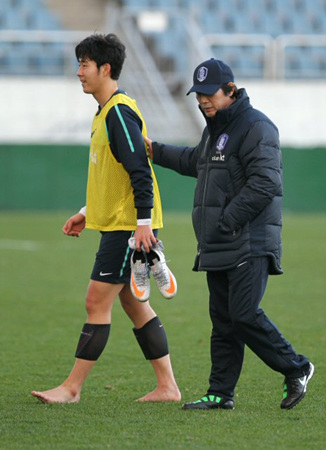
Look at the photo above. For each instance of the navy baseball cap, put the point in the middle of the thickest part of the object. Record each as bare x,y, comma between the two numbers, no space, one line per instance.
210,75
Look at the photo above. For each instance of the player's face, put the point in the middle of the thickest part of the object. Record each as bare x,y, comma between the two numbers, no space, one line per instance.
211,104
90,76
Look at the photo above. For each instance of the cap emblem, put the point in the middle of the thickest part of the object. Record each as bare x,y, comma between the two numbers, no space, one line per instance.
202,73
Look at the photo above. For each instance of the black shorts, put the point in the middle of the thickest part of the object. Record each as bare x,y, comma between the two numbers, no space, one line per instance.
112,263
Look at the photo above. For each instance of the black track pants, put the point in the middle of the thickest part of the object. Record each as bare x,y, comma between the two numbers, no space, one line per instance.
238,320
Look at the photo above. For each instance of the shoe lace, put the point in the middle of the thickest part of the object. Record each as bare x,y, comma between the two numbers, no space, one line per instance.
161,275
141,275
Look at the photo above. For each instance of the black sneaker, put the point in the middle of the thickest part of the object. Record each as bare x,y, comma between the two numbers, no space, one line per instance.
295,389
210,402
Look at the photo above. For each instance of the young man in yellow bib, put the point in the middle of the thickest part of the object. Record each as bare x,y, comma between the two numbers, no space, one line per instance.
123,201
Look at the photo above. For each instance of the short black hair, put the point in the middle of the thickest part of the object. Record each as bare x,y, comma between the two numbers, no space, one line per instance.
227,89
103,49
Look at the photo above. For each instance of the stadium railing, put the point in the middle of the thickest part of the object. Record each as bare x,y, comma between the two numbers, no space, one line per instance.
41,52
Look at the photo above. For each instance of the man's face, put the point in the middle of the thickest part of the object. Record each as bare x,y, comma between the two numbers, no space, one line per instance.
90,76
211,104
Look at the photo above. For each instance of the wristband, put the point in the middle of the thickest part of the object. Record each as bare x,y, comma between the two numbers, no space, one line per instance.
144,221
83,211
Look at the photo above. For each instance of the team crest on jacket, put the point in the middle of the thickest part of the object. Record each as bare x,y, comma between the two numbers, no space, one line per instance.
221,142
220,145
202,73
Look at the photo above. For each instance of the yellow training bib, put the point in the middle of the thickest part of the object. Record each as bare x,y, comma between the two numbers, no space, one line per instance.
110,200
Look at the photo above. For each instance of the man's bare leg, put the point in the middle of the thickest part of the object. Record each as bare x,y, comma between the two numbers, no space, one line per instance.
167,389
140,313
99,301
69,390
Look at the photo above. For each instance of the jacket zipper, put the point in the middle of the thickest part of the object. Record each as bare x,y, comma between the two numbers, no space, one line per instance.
203,197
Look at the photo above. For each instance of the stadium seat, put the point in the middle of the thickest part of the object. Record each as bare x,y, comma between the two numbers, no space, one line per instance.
229,17
28,58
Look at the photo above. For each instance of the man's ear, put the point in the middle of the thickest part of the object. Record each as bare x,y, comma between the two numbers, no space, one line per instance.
106,69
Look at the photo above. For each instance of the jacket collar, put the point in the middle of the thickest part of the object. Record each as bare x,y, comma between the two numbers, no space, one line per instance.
226,115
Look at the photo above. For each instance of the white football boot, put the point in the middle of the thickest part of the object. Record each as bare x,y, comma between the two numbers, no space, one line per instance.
139,280
164,278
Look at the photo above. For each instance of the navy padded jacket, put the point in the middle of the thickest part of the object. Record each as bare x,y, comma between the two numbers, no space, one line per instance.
237,210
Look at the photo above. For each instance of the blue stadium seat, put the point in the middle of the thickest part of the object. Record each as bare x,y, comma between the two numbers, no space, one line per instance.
316,22
319,57
137,5
271,17
257,6
300,62
27,14
42,20
301,23
13,20
29,58
15,60
162,4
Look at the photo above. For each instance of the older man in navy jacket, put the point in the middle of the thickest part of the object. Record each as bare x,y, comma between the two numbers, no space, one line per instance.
237,218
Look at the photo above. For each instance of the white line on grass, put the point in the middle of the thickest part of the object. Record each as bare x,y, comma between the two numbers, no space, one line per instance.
15,244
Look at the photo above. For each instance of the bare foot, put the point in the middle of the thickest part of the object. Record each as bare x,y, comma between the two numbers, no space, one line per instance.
162,395
59,394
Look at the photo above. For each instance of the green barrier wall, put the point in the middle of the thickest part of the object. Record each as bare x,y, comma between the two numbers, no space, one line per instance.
53,177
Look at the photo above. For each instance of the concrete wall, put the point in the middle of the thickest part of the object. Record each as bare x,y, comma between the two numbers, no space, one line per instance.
45,131
57,111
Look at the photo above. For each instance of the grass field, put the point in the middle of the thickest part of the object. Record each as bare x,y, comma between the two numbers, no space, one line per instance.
44,275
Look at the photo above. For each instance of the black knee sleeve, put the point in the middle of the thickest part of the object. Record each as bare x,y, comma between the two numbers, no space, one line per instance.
152,339
92,341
